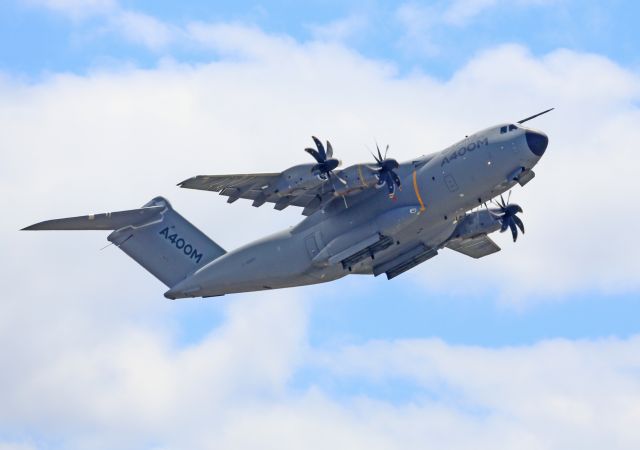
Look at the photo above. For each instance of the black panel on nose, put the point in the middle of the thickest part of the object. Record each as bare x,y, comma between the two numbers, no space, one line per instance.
537,142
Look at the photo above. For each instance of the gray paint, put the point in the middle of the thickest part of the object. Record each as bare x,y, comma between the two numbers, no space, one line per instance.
355,228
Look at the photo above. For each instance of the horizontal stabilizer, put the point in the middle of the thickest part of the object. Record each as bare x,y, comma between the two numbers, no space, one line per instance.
156,236
106,221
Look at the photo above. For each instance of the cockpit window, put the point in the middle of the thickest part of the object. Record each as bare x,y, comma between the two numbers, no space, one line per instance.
508,128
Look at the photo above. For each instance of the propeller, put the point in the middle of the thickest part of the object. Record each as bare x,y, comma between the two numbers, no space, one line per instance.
385,171
326,163
507,216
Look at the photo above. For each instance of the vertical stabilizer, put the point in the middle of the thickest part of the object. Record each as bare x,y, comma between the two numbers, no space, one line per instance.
156,236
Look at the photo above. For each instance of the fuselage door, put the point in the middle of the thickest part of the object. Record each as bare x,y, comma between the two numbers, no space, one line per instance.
450,182
312,246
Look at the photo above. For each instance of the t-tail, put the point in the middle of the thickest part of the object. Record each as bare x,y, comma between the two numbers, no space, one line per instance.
156,236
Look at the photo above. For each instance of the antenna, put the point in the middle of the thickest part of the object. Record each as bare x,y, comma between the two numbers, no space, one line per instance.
535,115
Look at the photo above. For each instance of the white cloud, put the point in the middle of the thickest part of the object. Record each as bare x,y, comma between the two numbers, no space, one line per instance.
143,29
91,352
130,25
422,22
235,40
461,11
340,29
77,9
550,395
133,388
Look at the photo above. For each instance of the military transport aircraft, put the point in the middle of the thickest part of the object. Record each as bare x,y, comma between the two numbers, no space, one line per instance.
375,218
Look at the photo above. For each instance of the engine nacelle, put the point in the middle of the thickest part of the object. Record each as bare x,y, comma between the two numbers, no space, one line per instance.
476,223
294,179
358,177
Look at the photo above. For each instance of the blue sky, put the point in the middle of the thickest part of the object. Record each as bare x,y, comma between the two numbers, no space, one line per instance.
106,103
49,41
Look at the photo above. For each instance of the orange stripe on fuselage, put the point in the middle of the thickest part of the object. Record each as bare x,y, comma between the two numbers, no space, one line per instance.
415,188
361,176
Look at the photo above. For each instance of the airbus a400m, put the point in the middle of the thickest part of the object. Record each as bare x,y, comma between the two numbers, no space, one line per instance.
382,217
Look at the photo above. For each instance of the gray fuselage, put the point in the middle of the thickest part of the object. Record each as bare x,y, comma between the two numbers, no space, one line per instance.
436,190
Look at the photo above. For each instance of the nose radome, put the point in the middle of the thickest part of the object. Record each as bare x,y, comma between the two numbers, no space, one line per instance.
537,142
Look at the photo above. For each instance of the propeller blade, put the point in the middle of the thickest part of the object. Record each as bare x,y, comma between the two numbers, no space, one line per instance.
390,186
535,115
380,158
496,213
329,150
512,210
344,182
314,153
323,154
396,178
504,226
385,151
514,230
518,222
509,197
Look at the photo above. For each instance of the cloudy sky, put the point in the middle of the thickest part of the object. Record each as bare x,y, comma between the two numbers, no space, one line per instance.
105,104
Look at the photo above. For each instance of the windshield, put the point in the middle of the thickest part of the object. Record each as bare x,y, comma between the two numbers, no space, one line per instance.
508,128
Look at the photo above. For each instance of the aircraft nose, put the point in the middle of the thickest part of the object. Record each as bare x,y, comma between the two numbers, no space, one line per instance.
537,142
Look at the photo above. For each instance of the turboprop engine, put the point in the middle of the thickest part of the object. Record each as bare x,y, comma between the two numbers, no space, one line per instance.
354,179
475,224
294,179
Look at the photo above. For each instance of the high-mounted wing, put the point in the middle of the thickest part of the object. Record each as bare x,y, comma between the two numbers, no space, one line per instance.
476,247
277,188
309,186
248,185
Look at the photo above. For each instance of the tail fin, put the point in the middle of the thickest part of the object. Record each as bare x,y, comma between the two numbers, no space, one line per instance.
156,236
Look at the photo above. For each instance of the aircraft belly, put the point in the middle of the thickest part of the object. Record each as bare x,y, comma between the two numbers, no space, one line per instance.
281,260
426,231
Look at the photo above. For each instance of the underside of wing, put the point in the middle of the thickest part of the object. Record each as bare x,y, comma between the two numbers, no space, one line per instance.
476,247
